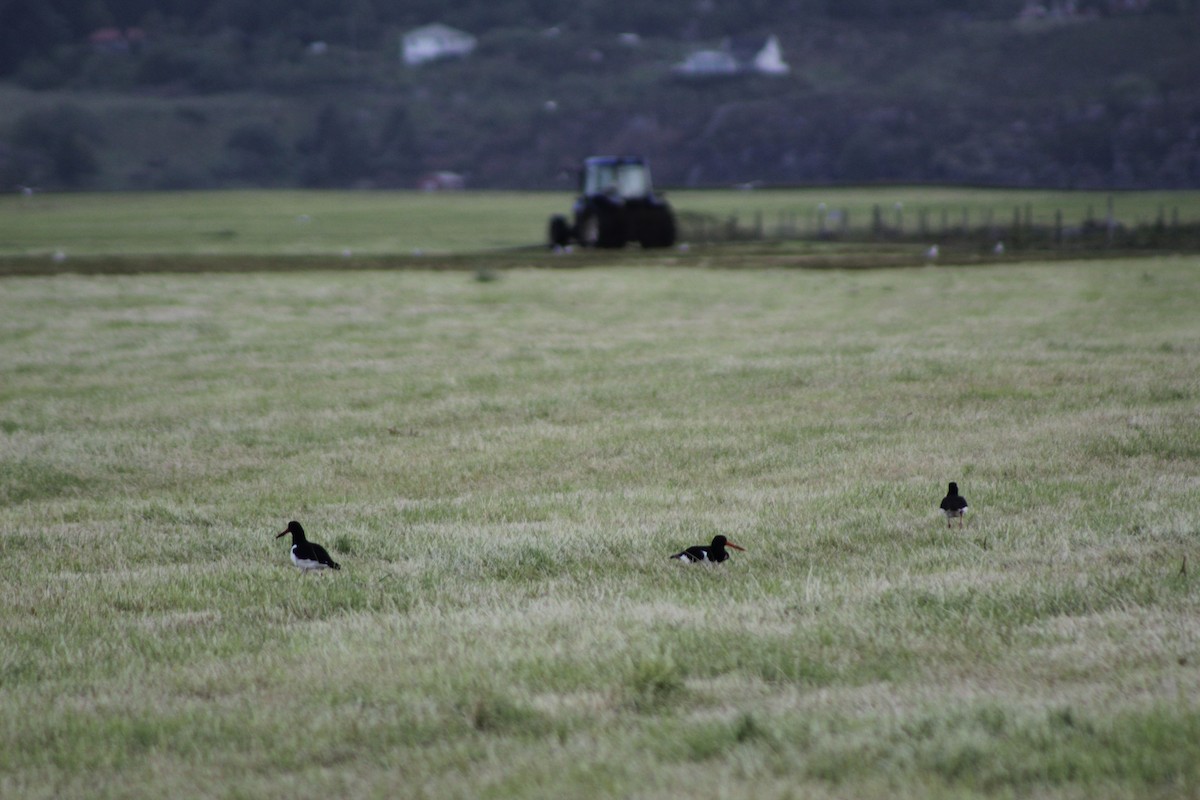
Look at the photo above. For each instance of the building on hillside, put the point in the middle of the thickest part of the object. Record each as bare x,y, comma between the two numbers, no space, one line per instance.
768,60
736,57
442,181
707,64
434,42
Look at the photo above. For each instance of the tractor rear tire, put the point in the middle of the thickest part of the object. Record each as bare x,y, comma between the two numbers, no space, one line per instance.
602,226
658,228
560,231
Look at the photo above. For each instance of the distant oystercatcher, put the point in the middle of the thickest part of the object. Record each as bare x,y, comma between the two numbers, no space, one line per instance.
714,552
954,505
305,554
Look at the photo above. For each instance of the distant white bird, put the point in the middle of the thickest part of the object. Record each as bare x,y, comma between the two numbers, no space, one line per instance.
932,253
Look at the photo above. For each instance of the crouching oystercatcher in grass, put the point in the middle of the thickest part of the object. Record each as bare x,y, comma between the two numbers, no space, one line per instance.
714,552
305,554
954,505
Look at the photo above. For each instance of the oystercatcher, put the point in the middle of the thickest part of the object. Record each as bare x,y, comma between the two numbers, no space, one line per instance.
714,552
954,505
305,554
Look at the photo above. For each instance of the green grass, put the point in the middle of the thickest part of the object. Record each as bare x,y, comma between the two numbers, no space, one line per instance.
502,468
272,223
358,225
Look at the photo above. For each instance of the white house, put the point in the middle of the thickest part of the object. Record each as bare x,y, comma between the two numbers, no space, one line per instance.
443,181
745,57
432,42
707,64
769,60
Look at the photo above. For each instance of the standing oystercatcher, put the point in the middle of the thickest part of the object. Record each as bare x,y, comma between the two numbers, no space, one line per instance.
714,552
954,505
305,554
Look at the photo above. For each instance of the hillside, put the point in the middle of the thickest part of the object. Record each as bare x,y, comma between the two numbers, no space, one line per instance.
1079,101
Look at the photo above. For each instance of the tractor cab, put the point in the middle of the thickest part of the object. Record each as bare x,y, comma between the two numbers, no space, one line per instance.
627,178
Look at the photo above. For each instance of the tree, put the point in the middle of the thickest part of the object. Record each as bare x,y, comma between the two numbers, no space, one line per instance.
336,153
255,154
397,152
29,28
58,146
96,14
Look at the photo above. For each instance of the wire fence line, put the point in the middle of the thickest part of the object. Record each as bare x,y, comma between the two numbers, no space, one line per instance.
1017,227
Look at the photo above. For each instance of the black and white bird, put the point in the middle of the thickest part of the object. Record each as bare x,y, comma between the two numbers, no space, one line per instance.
954,505
305,554
714,552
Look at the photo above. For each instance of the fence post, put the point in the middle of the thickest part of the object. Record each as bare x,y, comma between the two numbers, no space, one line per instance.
1111,222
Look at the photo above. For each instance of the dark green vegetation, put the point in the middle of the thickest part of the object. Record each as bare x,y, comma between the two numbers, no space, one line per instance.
232,93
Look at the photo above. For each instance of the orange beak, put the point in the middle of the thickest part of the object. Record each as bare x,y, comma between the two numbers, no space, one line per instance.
735,546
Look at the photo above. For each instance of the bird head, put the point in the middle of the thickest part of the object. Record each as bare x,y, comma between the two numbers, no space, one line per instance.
720,541
292,528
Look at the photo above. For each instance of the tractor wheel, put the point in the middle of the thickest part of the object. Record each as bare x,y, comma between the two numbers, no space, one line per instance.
588,229
658,228
613,231
560,231
602,226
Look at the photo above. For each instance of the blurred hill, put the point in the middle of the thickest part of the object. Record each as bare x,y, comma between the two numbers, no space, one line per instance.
135,94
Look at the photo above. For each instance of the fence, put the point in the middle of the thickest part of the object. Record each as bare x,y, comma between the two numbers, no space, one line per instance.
985,228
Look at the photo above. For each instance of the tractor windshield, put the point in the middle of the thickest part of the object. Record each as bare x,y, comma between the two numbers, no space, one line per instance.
628,180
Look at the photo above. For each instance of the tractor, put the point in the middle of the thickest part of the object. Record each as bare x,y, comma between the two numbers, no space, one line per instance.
616,205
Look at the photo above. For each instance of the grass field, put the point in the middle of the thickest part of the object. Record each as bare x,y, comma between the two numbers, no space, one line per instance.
273,223
372,224
502,468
